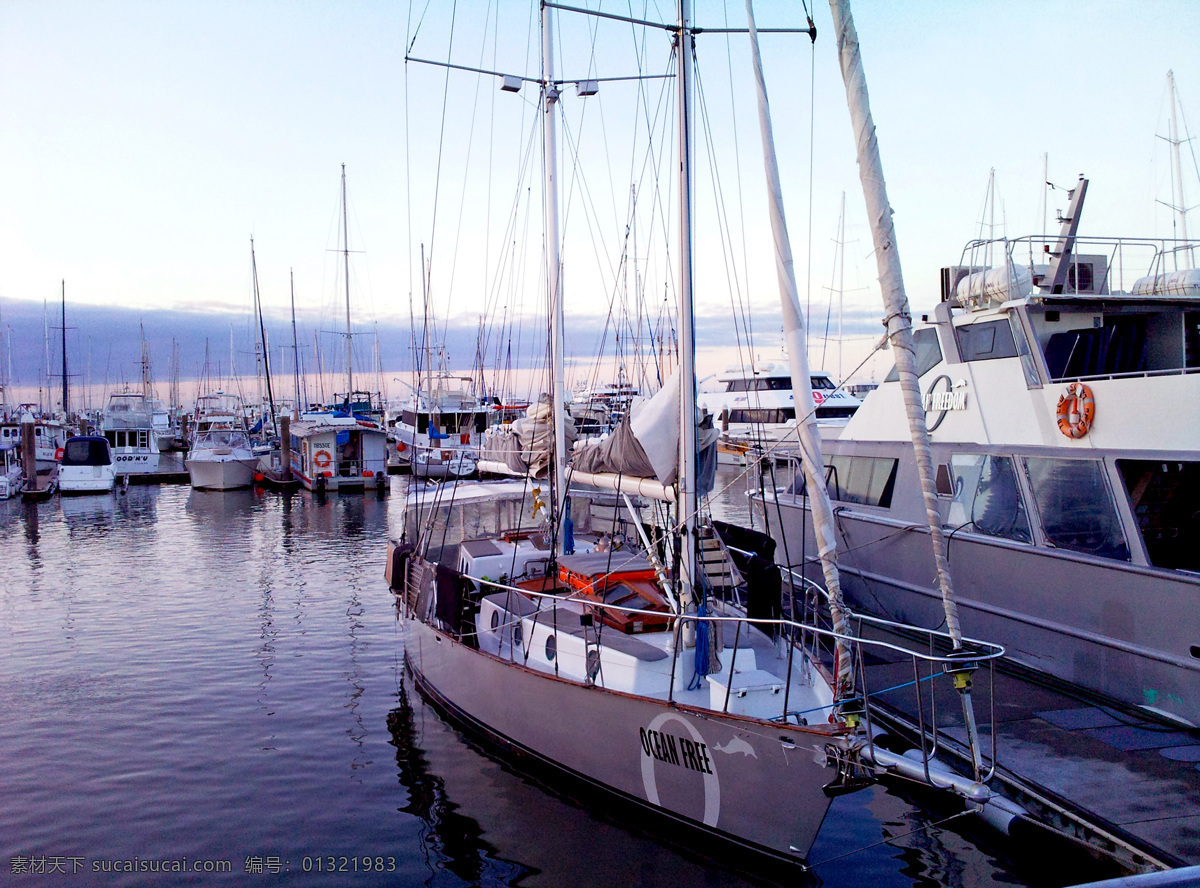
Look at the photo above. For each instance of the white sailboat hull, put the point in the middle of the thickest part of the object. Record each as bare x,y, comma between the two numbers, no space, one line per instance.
753,784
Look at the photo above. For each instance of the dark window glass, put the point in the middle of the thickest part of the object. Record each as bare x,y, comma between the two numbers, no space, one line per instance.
985,342
1164,497
867,480
987,499
1076,507
764,415
928,353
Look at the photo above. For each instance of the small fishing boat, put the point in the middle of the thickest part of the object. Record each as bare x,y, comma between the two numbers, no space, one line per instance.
87,466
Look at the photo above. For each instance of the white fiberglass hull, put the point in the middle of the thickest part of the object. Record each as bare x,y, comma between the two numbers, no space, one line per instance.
86,479
221,473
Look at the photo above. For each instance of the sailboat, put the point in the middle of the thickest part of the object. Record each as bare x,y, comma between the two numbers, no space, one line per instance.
572,642
343,448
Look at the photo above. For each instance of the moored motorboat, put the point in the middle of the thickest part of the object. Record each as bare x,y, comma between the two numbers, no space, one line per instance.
87,466
221,459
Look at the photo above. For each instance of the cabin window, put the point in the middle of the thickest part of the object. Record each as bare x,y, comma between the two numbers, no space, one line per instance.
986,342
866,480
928,353
1076,506
776,415
1163,496
986,497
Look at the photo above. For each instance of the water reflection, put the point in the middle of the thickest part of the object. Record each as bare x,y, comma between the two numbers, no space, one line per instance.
450,840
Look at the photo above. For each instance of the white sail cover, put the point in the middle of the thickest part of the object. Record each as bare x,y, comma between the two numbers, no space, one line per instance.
527,445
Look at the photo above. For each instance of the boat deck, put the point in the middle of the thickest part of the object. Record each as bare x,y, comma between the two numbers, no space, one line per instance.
1116,778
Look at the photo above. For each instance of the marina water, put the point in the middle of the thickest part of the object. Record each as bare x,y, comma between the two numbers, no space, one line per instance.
212,684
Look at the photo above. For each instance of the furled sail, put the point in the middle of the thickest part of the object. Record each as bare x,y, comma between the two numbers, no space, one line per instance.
797,349
526,446
645,444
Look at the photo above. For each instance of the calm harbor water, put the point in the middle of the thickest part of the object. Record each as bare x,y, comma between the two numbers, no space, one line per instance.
214,682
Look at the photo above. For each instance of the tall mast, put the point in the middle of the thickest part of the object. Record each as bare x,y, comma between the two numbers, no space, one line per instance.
553,271
65,407
295,344
346,258
262,332
1181,208
687,500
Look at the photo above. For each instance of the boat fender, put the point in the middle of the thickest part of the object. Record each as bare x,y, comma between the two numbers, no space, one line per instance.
322,459
1076,410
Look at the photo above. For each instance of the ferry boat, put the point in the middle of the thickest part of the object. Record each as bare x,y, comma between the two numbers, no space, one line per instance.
1061,400
755,408
128,424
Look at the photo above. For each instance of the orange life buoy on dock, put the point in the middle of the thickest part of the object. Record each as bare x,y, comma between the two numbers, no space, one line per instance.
321,459
1076,410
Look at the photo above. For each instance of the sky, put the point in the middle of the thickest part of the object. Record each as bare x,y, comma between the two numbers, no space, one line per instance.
144,143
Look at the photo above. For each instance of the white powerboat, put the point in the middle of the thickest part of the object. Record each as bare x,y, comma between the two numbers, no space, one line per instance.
87,466
756,410
128,424
221,459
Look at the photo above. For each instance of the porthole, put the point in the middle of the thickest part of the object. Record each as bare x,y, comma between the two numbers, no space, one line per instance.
517,633
551,647
495,620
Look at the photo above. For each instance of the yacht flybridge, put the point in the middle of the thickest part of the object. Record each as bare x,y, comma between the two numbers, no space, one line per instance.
1061,399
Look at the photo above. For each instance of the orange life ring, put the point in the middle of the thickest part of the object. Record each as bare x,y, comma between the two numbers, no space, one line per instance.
321,459
1076,410
58,455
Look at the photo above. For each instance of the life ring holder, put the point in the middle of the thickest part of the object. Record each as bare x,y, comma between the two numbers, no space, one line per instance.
322,459
1076,410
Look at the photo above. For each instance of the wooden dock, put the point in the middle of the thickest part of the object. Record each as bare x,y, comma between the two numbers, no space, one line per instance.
1111,776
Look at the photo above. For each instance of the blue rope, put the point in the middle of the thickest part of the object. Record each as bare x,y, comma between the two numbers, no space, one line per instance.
907,684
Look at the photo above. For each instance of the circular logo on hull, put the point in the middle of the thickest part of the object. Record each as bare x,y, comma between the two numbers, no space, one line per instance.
678,751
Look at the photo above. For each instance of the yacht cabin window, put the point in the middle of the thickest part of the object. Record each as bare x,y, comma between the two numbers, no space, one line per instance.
865,480
928,353
1076,507
987,498
1163,495
986,341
